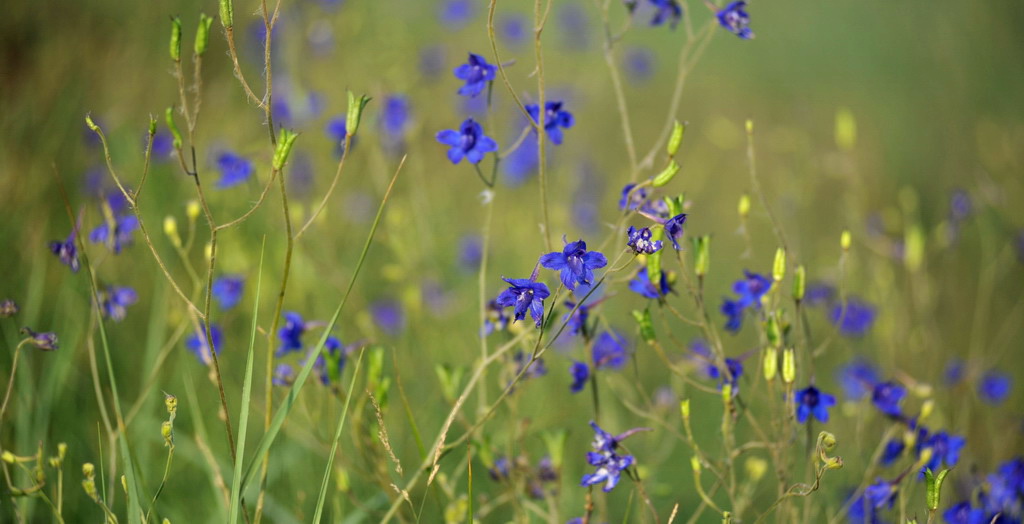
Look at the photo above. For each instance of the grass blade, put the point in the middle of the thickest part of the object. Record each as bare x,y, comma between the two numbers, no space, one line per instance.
337,437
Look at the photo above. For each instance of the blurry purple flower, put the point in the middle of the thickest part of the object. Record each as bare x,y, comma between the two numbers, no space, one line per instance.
858,378
893,450
234,169
300,175
8,308
818,293
666,11
963,513
455,14
512,28
496,319
336,131
887,397
945,449
536,370
855,319
290,334
521,163
500,470
736,20
196,343
469,142
639,64
609,351
573,26
642,284
46,340
635,198
163,144
66,251
432,60
954,372
388,314
283,375
580,374
228,290
959,206
394,116
471,251
995,387
115,300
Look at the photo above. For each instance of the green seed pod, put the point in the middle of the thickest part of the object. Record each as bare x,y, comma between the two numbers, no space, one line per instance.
934,487
779,267
675,204
152,125
643,318
676,139
788,366
799,282
701,254
169,118
203,33
176,39
285,141
227,14
771,329
92,125
355,112
666,175
771,363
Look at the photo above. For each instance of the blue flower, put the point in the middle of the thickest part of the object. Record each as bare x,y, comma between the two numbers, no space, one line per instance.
640,241
963,513
456,13
858,378
580,374
855,319
124,225
887,397
674,230
734,311
500,470
521,163
819,293
115,302
954,372
66,251
331,363
609,351
469,141
606,459
46,340
196,343
751,288
512,28
812,401
336,129
642,284
163,144
877,496
537,370
234,169
477,73
736,20
575,263
994,387
577,323
525,294
228,290
639,62
945,449
666,10
291,334
471,251
394,116
496,319
893,450
388,315
555,118
284,375
630,199
1006,487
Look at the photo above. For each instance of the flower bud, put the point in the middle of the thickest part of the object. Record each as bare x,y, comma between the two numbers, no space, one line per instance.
643,319
171,402
779,267
756,468
772,331
355,112
744,206
171,230
834,463
695,464
826,441
771,363
227,14
62,450
845,239
788,366
676,138
684,409
167,431
92,125
846,129
192,209
152,125
208,251
176,39
88,470
284,148
799,283
203,33
8,457
124,484
926,409
750,126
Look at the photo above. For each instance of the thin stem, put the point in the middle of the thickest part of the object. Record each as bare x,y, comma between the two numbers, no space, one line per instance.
330,189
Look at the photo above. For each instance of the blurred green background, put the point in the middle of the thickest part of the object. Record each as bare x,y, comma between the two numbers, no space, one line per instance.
934,89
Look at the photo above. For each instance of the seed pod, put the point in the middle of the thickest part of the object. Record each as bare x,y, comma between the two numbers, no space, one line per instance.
779,267
202,33
799,283
788,366
666,174
176,39
676,139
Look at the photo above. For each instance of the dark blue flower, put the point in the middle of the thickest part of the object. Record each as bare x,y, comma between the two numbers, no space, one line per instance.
124,226
887,397
630,199
469,141
575,263
228,290
858,378
736,20
893,450
734,313
521,164
163,144
880,495
606,459
336,130
555,118
963,513
525,294
331,363
196,343
456,13
994,387
609,351
67,251
855,319
640,241
388,315
674,230
954,372
945,449
751,289
115,301
812,401
1006,488
642,284
477,73
394,116
666,11
580,374
234,169
577,323
291,334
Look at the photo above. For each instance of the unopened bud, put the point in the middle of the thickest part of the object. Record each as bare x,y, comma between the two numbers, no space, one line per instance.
203,33
788,366
926,408
695,464
176,39
834,463
169,119
684,408
799,282
167,431
192,209
771,363
701,254
62,450
772,330
91,124
779,267
227,14
744,206
355,112
676,138
171,402
124,484
171,230
827,441
643,319
845,240
756,468
8,457
88,470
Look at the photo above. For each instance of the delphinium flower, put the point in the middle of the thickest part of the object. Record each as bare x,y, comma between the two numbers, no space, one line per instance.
8,308
67,251
701,355
388,315
394,116
945,449
964,513
117,228
639,64
736,20
577,321
858,378
812,401
521,164
893,450
855,319
115,300
496,319
525,294
819,294
196,343
512,29
631,199
299,172
580,373
640,241
501,469
666,11
960,207
642,284
336,131
887,397
163,144
606,459
290,334
575,264
1005,494
456,13
477,73
880,495
234,169
994,387
332,362
44,340
284,375
954,373
546,474
609,351
536,370
750,290
555,119
468,141
471,251
228,290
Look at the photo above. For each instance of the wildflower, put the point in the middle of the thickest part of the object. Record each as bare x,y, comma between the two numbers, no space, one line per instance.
334,363
632,200
8,308
706,361
283,375
642,284
536,370
456,13
750,289
606,459
963,513
500,470
954,372
945,449
469,141
736,20
818,294
639,64
471,251
228,290
1005,488
337,129
115,301
67,251
858,378
234,169
893,450
640,241
476,72
525,294
291,334
855,318
666,10
394,116
555,118
163,144
674,229
496,319
512,28
580,374
609,351
575,263
887,397
812,401
388,315
196,343
521,164
994,387
577,323
734,311
877,496
46,341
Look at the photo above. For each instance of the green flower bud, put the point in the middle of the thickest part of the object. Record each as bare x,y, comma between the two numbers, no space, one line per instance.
92,125
779,267
666,175
8,457
176,39
845,240
684,408
643,319
227,14
152,125
355,112
203,33
771,363
744,206
799,282
788,366
169,118
676,139
88,470
846,129
701,254
171,402
285,141
772,330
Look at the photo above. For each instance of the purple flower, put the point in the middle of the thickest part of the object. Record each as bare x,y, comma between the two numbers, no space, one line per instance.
46,341
811,401
609,351
500,470
536,370
606,459
750,289
555,118
521,163
954,372
674,230
8,308
580,374
512,29
525,294
283,375
575,263
959,206
291,334
115,301
893,450
67,251
477,73
163,144
123,222
228,290
496,319
331,363
995,387
963,513
642,284
945,449
388,315
887,397
336,130
858,378
819,293
234,169
666,11
469,142
639,62
855,319
632,200
456,13
577,323
471,251
640,241
394,116
736,20
196,343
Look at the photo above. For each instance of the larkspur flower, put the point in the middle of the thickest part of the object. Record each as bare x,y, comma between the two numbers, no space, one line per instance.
632,199
536,370
471,251
994,387
477,73
496,319
858,378
234,169
67,251
119,219
580,373
704,360
521,164
468,141
332,362
887,397
8,308
736,20
575,264
284,375
893,450
819,293
336,130
163,144
734,311
606,458
394,116
954,373
525,294
388,315
750,290
609,351
666,11
880,495
228,290
812,401
945,449
555,119
855,319
640,241
196,343
1006,489
115,300
577,322
964,513
290,334
674,229
642,284
455,14
44,340
512,29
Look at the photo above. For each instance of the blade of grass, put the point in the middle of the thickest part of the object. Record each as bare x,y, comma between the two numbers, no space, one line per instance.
337,437
243,417
307,368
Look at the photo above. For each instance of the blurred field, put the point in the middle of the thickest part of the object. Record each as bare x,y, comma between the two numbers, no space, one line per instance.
933,88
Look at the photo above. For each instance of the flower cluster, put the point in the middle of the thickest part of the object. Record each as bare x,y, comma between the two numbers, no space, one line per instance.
749,291
606,458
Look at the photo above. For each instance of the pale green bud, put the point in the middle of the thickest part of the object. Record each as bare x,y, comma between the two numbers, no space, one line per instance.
676,138
176,39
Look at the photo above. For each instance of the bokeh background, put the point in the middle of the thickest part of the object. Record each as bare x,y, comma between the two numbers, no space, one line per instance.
933,91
